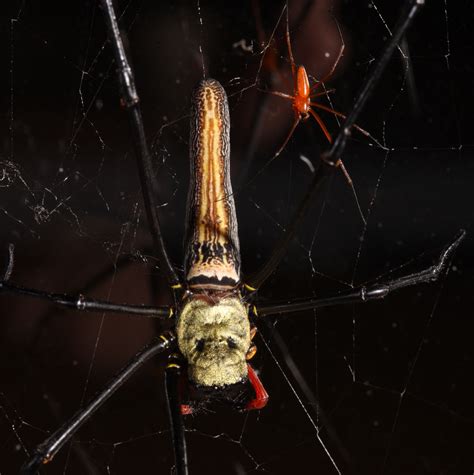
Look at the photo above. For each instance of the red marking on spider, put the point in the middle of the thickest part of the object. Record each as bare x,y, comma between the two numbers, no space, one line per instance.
261,396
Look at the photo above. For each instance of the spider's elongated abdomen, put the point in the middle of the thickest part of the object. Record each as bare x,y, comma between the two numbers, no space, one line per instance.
212,242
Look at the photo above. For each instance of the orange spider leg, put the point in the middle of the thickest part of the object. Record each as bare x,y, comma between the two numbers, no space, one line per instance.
321,124
338,114
280,94
288,42
333,68
327,109
339,163
290,133
322,93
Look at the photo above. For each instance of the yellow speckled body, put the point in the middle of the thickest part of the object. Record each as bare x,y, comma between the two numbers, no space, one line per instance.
212,247
215,339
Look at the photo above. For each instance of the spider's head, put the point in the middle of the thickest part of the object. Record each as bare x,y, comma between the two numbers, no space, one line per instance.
214,338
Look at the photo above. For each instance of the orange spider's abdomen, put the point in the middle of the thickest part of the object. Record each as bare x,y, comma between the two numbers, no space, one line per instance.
301,101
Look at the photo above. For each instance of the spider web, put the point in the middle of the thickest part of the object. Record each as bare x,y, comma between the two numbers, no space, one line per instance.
379,388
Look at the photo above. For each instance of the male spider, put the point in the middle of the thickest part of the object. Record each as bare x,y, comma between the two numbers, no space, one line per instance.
213,287
303,93
303,104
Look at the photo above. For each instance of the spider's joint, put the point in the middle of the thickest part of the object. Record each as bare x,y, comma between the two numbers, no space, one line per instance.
378,293
129,102
80,303
130,98
325,158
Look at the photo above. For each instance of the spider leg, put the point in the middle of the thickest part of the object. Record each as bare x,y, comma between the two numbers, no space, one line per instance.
288,137
283,145
330,157
255,281
322,93
409,11
11,260
321,124
311,399
45,452
269,69
338,114
376,291
131,102
339,163
288,43
333,68
172,375
82,303
280,94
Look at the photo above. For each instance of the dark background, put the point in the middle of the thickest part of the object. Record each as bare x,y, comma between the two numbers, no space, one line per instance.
393,379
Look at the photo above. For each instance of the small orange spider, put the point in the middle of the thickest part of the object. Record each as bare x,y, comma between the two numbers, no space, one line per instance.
302,100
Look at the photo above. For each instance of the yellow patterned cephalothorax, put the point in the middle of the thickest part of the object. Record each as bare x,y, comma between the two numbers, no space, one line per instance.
214,338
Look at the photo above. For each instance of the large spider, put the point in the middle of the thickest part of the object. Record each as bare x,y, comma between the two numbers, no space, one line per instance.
213,291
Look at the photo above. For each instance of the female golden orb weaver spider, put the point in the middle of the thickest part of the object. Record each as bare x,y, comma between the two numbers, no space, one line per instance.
213,288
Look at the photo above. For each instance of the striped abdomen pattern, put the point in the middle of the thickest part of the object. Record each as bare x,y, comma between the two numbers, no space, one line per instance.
212,243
